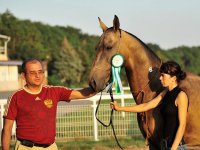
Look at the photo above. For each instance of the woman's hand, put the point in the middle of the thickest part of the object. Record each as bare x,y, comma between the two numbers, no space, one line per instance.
114,105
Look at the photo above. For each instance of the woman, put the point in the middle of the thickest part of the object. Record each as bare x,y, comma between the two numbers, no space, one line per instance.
174,105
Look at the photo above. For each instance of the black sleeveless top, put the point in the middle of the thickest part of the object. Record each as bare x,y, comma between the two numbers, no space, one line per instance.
170,115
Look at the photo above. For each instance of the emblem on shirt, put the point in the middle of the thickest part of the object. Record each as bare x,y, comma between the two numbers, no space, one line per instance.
37,99
48,103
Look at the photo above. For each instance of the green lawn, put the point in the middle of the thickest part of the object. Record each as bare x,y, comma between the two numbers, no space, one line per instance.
109,144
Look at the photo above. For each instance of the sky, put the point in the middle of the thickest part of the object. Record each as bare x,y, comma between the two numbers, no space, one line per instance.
169,23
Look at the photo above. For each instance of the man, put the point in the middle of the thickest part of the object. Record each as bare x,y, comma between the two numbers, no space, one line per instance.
34,109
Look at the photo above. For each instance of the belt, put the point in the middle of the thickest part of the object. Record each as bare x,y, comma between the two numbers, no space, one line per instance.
29,143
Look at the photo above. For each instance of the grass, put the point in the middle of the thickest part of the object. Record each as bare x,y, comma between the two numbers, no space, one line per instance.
129,143
108,144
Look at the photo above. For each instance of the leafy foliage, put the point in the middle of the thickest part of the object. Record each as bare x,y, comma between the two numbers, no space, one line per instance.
68,64
70,52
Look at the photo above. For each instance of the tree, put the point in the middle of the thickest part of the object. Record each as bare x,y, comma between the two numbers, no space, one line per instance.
68,64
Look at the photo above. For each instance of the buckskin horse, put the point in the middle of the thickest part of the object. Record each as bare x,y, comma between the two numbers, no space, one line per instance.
142,69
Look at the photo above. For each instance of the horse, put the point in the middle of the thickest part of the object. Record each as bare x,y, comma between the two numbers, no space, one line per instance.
142,70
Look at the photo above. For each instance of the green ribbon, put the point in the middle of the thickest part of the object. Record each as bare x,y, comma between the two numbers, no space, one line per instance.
116,80
117,62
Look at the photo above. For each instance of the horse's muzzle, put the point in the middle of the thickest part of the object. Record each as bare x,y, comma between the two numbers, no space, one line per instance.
97,87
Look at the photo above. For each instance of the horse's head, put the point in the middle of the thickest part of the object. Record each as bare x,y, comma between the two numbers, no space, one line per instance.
107,46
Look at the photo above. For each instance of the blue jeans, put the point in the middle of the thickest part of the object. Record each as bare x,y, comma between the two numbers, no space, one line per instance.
181,147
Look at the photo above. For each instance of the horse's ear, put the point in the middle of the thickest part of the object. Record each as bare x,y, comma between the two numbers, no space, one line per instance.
103,26
116,23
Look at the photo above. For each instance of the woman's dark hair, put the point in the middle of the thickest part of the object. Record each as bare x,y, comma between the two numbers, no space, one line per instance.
27,61
173,69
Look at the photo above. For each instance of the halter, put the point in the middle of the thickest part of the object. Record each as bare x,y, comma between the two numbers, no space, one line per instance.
142,90
112,100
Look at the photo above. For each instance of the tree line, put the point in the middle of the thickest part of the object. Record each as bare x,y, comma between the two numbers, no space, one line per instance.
70,52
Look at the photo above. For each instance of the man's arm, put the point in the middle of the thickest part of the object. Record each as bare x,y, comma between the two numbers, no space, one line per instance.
6,134
83,93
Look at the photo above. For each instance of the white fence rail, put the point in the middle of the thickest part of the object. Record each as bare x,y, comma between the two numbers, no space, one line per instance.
76,120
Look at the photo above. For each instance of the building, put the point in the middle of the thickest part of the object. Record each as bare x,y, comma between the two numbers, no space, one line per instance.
9,76
10,79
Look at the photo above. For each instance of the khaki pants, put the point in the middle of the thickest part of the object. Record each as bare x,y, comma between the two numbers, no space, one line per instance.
19,146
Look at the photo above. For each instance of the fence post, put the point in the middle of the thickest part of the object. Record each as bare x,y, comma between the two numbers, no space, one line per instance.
95,121
2,111
122,103
2,103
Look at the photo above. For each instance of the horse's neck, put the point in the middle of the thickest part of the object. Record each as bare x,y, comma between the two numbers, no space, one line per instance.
141,69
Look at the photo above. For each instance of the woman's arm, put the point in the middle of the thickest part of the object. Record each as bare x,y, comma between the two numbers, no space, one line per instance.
182,104
142,107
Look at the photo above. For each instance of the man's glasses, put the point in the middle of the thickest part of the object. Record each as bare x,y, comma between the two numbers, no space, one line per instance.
34,73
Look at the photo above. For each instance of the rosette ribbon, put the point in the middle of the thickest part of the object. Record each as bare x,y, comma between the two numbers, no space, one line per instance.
117,61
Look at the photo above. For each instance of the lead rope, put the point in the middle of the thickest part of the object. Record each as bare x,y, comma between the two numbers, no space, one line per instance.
111,116
145,119
111,113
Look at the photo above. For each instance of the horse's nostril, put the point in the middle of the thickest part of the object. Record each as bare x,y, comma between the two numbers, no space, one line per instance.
93,84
